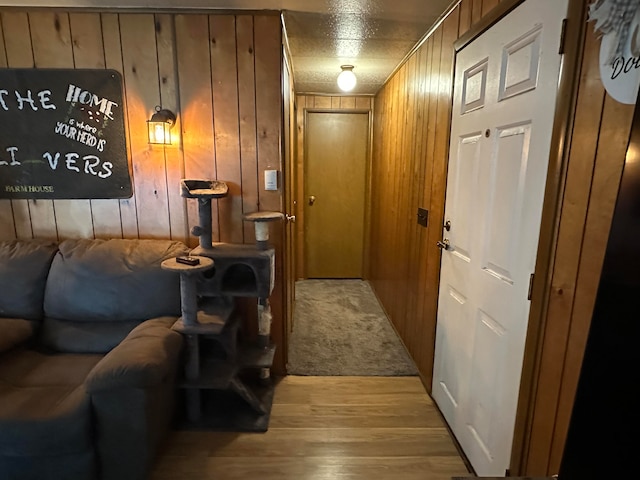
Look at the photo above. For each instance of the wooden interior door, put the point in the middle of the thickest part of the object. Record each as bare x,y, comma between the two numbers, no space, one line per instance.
504,101
335,186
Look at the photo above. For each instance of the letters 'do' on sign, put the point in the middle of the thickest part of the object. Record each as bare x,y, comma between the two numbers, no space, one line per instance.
62,134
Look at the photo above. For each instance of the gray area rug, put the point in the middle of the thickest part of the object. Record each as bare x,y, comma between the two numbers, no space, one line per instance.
340,329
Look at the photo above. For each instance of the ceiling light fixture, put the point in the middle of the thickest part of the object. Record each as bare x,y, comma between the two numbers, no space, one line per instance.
347,79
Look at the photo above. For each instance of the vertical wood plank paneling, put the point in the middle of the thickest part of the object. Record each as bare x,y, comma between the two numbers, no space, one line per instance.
392,221
169,97
268,71
377,134
247,115
88,52
335,102
413,340
386,186
488,5
19,54
568,252
595,161
302,105
441,159
364,102
166,60
427,246
268,103
173,157
424,200
347,102
409,170
222,31
8,230
113,60
465,17
49,36
140,70
404,219
321,102
411,141
192,42
612,147
476,11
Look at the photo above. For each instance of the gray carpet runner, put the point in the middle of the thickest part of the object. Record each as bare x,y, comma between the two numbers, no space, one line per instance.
340,329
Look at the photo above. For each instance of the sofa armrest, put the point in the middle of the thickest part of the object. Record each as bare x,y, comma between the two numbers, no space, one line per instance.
145,358
14,331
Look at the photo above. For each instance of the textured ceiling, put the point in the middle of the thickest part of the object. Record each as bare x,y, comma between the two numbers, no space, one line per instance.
372,35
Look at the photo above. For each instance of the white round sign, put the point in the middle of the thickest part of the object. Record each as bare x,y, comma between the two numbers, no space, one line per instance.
621,73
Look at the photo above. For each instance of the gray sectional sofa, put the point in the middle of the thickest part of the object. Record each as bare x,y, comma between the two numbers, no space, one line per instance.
87,357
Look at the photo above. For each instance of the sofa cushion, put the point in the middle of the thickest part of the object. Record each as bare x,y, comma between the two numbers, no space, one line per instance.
84,337
44,407
14,331
44,420
24,367
23,272
107,286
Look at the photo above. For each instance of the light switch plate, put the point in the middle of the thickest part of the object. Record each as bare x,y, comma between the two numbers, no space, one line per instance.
271,180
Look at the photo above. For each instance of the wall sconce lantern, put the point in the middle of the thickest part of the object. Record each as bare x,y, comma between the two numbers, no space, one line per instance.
159,126
347,79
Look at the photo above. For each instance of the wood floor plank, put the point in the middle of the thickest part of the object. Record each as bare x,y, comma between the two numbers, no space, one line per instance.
322,442
292,388
312,468
326,428
404,415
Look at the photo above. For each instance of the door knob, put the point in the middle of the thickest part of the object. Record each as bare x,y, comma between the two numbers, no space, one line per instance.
290,218
444,244
312,199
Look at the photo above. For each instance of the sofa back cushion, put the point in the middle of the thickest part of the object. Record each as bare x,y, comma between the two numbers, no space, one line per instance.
24,265
98,290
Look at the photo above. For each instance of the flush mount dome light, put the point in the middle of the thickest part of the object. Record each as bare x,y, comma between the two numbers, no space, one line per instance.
347,79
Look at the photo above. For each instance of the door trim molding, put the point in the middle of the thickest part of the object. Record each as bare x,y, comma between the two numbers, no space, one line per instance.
523,440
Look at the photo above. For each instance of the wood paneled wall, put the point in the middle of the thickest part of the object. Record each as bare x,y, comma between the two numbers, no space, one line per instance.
410,150
321,103
596,155
221,74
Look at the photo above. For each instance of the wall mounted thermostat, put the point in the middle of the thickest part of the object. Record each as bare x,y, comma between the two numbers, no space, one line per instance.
270,179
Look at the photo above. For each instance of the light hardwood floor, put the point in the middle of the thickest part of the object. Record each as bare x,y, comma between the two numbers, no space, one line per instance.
326,428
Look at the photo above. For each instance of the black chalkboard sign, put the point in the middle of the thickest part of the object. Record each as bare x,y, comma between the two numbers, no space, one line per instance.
62,134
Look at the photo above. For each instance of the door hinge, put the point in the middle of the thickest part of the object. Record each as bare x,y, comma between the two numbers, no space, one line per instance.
530,293
563,36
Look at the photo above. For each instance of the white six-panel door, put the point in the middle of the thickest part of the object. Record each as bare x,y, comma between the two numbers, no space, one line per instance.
504,99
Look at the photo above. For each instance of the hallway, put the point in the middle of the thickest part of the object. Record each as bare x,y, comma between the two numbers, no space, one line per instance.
340,328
